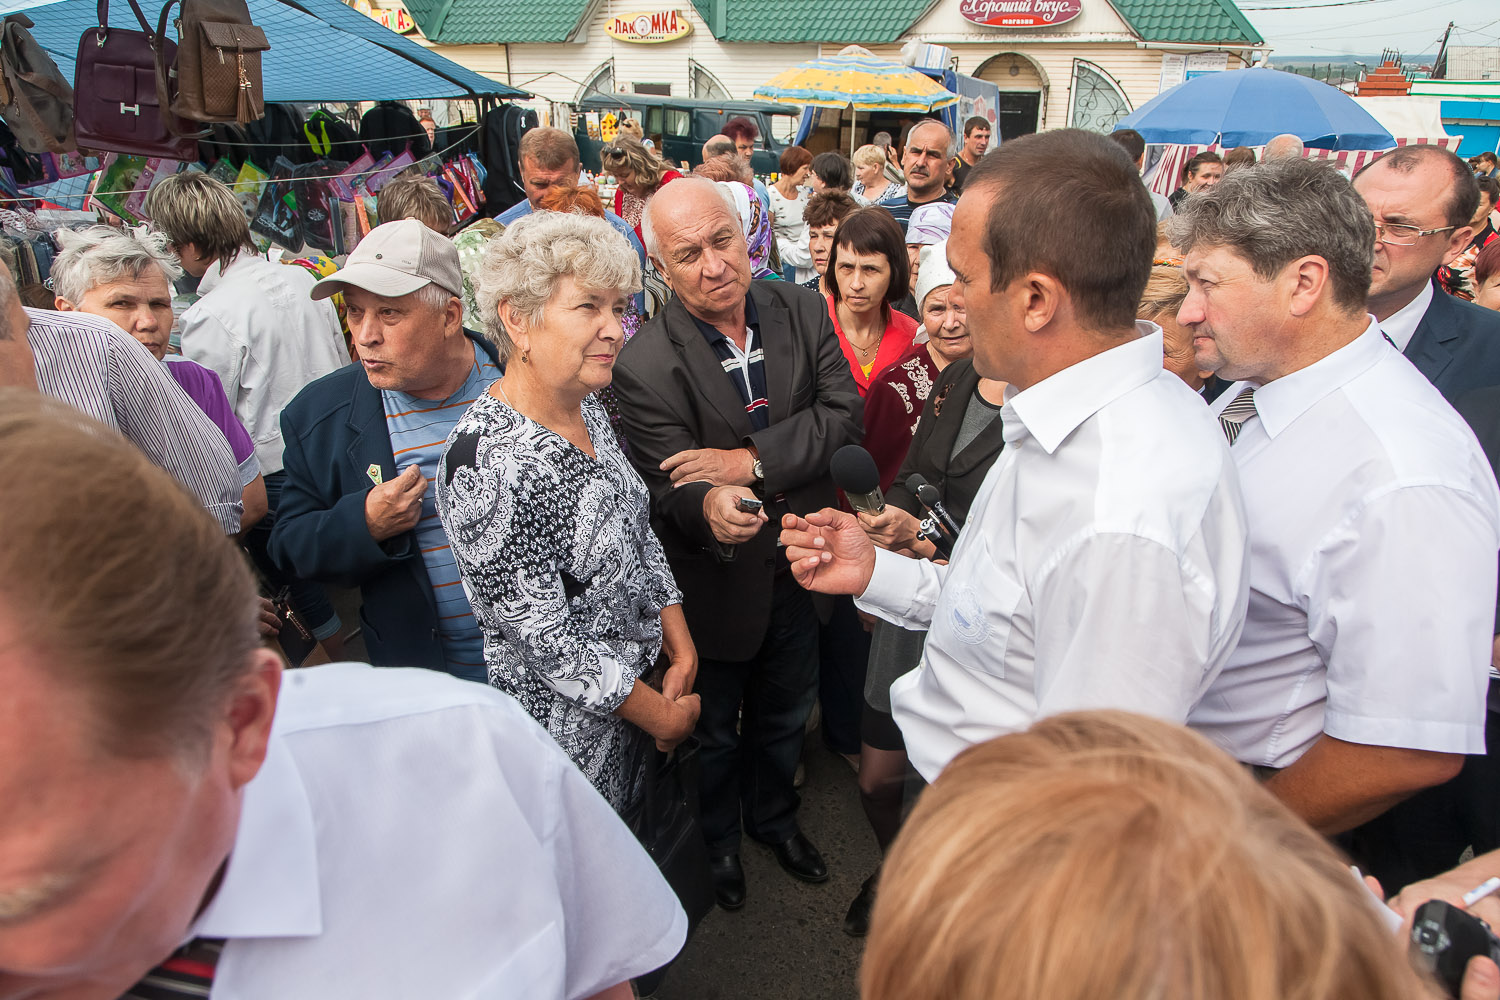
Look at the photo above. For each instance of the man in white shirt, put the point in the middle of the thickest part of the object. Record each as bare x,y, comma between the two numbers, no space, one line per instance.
1103,562
1374,517
1422,198
181,819
257,328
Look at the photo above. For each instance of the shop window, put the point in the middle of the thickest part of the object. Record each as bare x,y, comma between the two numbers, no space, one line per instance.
705,86
678,123
601,81
1097,101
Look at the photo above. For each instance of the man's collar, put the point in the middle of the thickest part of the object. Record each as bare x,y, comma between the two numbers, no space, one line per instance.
711,333
270,888
1401,325
1280,402
1055,407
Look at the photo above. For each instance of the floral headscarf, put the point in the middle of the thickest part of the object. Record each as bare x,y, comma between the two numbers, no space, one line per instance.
755,221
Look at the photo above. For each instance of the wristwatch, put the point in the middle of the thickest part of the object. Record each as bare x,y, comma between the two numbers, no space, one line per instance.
758,471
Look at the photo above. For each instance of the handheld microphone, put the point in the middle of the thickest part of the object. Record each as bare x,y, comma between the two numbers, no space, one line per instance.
928,495
854,472
931,531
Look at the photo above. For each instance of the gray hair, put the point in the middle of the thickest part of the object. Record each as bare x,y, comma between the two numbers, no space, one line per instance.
1280,211
100,255
523,265
648,228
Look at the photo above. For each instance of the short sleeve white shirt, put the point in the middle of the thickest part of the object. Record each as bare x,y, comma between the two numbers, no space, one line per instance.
1374,529
415,835
1103,564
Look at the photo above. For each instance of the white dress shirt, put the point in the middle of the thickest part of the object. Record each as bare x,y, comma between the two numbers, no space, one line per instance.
265,338
1401,325
1103,564
414,835
1374,528
94,366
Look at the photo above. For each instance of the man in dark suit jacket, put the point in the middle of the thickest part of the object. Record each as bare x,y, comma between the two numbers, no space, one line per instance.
738,390
349,515
1422,198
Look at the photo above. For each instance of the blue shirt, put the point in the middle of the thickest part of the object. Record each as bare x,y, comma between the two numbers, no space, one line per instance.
418,429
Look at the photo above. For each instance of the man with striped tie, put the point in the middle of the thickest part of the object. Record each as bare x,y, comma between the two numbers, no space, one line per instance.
362,447
1374,519
182,820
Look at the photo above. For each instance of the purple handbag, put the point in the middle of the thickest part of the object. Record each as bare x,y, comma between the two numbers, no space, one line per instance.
117,105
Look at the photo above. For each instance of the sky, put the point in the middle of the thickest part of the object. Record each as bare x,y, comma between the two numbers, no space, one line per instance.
1333,28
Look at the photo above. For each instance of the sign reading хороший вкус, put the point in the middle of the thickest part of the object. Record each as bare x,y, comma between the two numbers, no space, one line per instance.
1020,13
649,27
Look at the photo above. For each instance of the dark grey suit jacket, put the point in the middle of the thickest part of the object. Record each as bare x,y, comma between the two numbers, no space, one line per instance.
1457,345
674,395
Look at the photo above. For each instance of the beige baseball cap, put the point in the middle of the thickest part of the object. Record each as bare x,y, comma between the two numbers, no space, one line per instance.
396,259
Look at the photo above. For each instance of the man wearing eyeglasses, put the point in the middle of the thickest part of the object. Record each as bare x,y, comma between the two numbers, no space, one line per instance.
1422,198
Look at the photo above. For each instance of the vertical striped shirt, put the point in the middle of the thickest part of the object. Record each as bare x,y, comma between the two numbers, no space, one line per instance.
418,430
747,368
96,367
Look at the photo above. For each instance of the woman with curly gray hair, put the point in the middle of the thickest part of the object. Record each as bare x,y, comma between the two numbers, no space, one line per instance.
550,524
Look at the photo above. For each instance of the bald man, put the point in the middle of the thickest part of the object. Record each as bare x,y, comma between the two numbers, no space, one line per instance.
1283,147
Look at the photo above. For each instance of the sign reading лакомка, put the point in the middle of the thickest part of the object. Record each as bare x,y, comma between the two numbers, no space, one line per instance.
650,27
1020,13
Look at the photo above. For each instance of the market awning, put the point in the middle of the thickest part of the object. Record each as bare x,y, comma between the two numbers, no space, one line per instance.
321,50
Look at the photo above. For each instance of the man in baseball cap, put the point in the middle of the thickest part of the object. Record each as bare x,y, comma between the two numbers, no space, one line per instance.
351,511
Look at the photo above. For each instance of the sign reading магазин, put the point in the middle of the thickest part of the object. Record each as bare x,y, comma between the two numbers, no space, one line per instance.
1020,13
649,27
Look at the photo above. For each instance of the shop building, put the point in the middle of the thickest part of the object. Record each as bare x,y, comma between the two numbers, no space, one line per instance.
1056,62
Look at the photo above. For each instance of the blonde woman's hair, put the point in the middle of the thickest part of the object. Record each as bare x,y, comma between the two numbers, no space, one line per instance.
524,264
869,156
626,155
1103,854
1165,291
195,208
415,197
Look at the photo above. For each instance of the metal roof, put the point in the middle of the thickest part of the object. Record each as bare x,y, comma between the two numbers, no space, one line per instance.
1216,22
461,22
870,22
320,51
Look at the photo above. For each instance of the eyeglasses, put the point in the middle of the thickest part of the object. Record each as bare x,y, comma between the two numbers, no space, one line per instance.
1398,234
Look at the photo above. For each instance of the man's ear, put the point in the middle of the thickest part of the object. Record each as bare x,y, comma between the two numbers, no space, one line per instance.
251,709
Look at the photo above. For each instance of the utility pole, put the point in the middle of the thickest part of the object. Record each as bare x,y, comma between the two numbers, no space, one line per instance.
1440,64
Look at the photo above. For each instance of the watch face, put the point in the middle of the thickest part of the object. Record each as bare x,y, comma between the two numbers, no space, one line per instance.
758,469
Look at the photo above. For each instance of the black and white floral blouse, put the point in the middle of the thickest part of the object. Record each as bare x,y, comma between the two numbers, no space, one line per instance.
564,574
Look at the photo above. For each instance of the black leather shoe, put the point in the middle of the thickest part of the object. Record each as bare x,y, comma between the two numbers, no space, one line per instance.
801,859
857,920
729,881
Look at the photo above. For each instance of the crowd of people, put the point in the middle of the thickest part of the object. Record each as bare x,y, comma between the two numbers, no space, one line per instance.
1173,592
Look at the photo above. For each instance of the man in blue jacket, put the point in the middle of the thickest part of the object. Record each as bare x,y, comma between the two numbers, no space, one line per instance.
362,446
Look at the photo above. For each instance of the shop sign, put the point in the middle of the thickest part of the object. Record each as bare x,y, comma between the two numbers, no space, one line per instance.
651,27
1020,13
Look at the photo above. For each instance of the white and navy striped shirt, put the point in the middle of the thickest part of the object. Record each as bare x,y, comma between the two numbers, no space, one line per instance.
93,365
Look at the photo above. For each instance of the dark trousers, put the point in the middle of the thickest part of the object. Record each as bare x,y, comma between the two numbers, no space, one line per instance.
1426,834
843,657
306,598
751,727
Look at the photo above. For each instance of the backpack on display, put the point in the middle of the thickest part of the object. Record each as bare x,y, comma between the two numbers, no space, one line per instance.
500,150
35,98
225,142
390,127
117,105
217,68
329,136
279,133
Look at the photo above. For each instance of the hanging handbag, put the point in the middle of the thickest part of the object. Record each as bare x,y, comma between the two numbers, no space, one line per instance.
118,108
35,98
215,76
666,824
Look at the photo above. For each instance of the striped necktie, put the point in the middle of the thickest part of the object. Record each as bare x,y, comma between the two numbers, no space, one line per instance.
1240,409
188,973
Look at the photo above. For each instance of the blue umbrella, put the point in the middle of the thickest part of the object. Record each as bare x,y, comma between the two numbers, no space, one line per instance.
1248,107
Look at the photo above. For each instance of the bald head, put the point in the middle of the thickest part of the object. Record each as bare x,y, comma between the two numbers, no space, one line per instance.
1283,147
695,238
718,145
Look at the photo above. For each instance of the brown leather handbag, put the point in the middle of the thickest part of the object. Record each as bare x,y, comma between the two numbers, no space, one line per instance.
216,73
116,101
36,100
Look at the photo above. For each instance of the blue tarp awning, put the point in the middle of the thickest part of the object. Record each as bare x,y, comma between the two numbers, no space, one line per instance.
321,50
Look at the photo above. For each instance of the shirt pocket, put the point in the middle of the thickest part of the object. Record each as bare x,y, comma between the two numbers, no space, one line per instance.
980,612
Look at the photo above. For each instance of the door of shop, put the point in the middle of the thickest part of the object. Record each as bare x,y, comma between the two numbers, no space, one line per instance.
1018,113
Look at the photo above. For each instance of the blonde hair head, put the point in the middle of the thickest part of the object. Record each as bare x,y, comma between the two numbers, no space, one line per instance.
195,208
1103,854
869,156
1165,291
415,196
632,164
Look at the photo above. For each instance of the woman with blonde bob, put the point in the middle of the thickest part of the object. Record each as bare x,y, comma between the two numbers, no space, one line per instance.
550,523
1103,854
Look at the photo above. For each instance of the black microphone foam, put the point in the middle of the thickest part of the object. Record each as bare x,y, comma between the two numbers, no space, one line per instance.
854,471
915,482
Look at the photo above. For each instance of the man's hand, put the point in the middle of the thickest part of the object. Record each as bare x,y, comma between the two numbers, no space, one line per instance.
734,467
682,717
893,528
1481,980
829,552
269,621
730,525
396,506
1450,887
